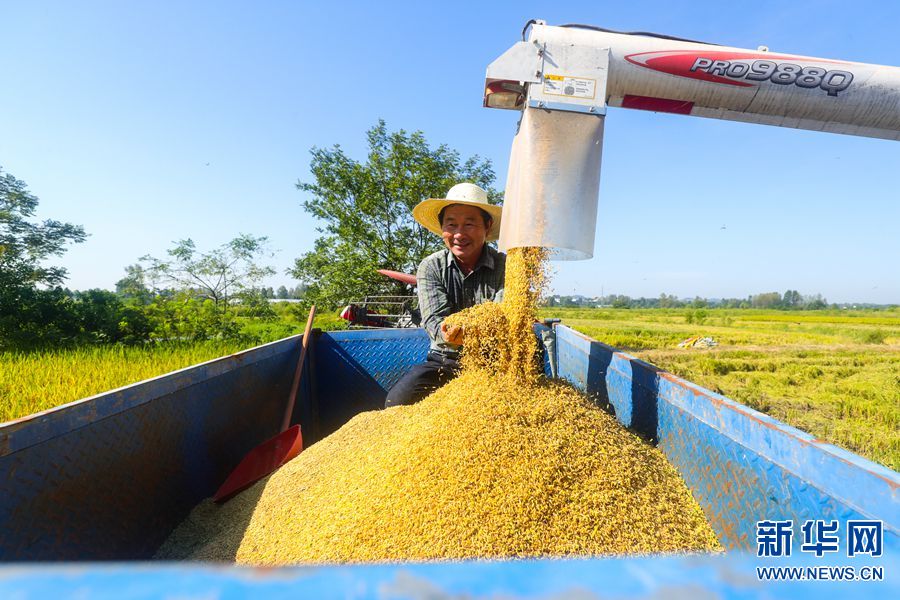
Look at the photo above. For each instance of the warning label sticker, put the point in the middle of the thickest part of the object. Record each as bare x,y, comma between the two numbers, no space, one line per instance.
562,85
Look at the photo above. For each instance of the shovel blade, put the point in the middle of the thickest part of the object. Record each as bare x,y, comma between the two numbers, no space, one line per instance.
261,461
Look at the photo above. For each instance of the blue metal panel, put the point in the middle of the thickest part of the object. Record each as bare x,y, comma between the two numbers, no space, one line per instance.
742,466
657,577
109,477
355,369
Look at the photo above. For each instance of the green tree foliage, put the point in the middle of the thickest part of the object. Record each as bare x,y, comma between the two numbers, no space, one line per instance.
767,300
620,301
32,307
669,301
25,244
814,302
103,317
193,290
366,212
792,299
216,275
255,304
298,292
181,315
133,287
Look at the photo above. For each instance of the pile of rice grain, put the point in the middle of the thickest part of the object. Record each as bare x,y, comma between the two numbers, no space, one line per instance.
497,463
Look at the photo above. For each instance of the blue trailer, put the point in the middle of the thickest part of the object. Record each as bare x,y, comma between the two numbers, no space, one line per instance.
109,477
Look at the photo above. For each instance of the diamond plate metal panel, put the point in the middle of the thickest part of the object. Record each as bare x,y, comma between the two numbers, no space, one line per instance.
741,466
355,369
110,476
737,487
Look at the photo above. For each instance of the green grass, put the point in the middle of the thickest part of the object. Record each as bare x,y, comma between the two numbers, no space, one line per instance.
833,374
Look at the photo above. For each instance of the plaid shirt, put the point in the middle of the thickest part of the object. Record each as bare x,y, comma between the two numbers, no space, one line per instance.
444,290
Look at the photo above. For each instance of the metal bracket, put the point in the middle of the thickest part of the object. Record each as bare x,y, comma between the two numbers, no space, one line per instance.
548,339
593,110
522,63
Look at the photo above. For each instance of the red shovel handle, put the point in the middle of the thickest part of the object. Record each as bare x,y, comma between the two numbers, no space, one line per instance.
296,384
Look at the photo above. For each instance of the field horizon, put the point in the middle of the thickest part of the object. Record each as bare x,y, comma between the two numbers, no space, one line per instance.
832,373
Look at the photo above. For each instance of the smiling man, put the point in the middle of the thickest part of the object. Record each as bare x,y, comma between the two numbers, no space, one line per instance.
465,273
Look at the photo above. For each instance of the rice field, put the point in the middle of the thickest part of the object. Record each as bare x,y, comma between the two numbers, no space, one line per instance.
833,374
35,381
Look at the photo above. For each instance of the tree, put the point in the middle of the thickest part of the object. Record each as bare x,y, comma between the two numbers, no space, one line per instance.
814,302
282,293
133,287
767,300
298,292
255,304
30,312
620,301
699,302
216,275
181,315
366,212
104,318
666,301
792,299
24,244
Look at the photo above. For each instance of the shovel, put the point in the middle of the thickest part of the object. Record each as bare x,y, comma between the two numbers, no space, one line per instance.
274,452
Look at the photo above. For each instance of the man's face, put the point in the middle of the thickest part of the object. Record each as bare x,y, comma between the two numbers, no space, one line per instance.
464,232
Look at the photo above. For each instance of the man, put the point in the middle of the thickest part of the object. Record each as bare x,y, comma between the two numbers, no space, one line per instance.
465,273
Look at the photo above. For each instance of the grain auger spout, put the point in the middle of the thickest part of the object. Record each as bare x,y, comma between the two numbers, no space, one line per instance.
564,78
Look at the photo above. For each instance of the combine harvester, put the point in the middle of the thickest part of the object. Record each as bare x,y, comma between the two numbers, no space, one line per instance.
108,478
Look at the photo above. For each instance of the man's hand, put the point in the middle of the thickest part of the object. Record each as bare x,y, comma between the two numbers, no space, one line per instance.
452,335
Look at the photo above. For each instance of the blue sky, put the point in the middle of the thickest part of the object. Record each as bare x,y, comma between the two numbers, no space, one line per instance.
152,122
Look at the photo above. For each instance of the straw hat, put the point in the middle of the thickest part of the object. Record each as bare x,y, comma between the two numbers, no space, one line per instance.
468,194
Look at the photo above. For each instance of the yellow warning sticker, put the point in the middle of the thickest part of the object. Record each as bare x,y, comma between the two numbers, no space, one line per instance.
564,85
